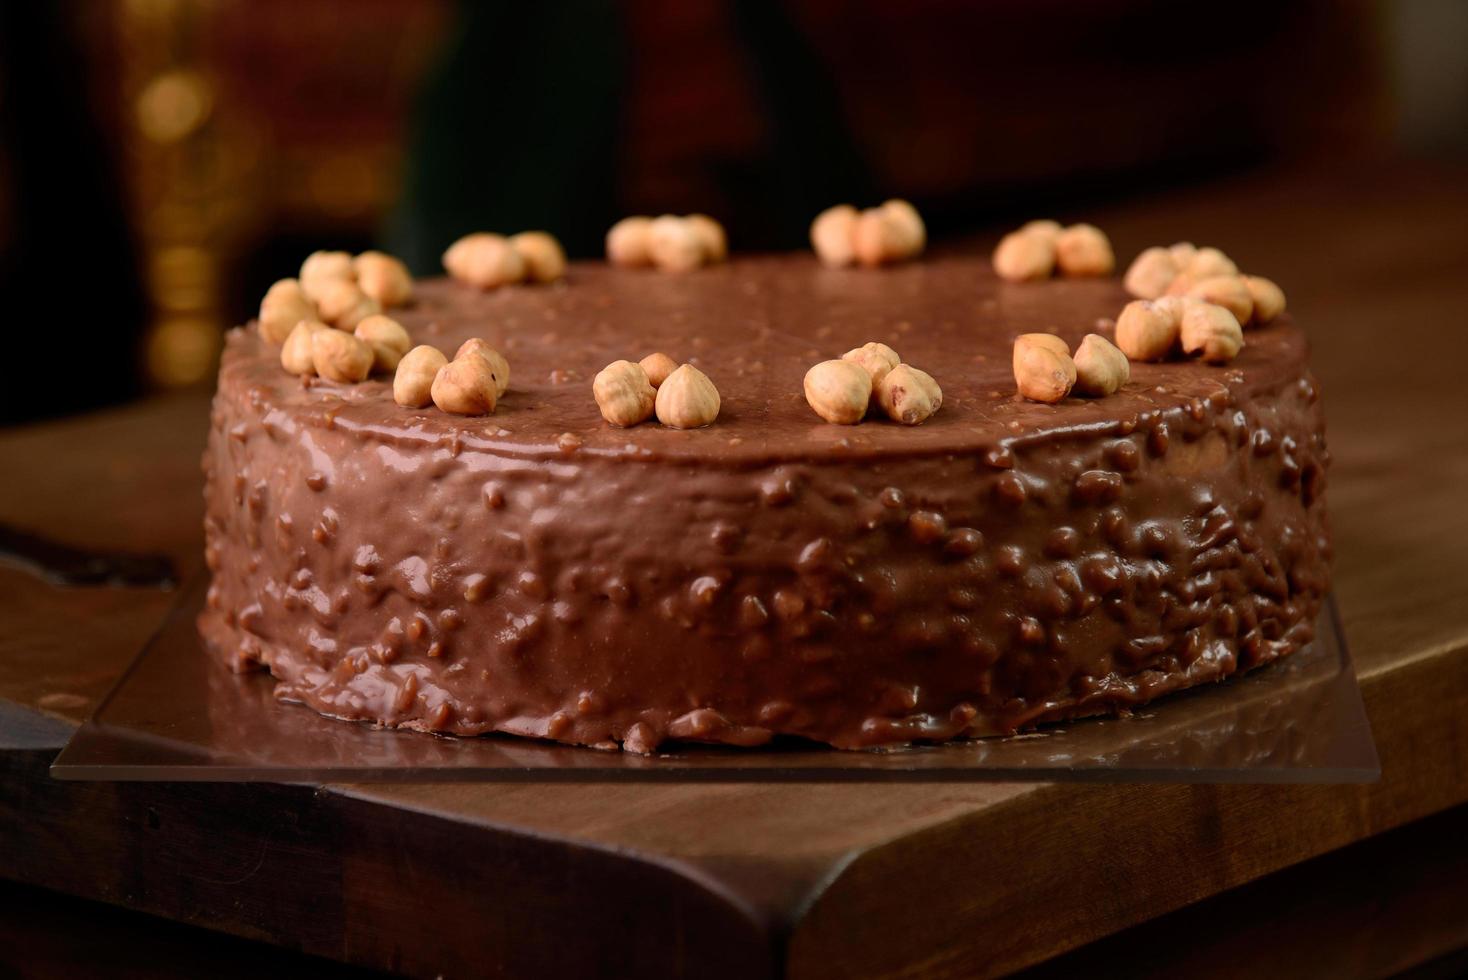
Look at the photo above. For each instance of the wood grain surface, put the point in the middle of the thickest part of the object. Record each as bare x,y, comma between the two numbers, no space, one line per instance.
892,880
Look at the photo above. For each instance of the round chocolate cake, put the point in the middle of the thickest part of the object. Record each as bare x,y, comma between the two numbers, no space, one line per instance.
542,573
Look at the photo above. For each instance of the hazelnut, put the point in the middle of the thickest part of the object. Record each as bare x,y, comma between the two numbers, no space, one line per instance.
623,393
1182,254
1042,226
1025,341
343,305
627,242
1101,367
295,353
658,366
1269,299
833,235
1150,273
321,268
1044,375
412,386
711,237
465,386
495,360
908,395
384,278
1147,330
1211,331
1084,250
880,237
687,399
387,339
338,356
485,260
545,260
1023,255
1203,263
839,391
1229,292
673,244
285,305
877,358
914,234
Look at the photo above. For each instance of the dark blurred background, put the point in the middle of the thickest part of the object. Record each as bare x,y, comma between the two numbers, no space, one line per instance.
163,161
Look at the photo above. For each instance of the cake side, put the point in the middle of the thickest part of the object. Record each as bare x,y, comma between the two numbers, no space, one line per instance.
1015,564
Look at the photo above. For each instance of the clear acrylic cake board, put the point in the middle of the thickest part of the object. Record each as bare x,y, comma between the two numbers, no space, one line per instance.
178,715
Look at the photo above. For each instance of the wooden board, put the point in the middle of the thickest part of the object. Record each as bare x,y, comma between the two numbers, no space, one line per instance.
808,880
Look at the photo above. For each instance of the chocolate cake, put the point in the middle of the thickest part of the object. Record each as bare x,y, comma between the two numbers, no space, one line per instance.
542,573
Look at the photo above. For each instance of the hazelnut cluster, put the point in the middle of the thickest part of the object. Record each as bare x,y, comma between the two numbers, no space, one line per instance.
335,289
1206,274
871,378
672,243
681,396
1045,371
1151,330
471,384
488,261
1038,249
892,233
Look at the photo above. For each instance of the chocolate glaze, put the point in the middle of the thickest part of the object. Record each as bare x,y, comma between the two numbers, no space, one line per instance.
542,573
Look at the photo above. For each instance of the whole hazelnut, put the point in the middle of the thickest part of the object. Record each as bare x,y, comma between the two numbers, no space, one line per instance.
1182,254
1084,250
545,260
296,354
1042,226
687,399
1147,331
658,366
1150,273
412,386
1229,292
623,393
627,242
479,347
1205,263
1025,341
879,237
484,260
673,244
1022,256
465,386
914,234
1269,299
833,234
876,358
1211,331
839,391
908,395
285,305
387,339
384,278
338,356
1101,367
343,305
1043,375
711,237
321,268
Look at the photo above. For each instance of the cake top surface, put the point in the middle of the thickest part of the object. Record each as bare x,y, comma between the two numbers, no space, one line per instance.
754,326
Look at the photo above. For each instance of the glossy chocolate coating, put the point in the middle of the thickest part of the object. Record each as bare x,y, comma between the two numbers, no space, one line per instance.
543,573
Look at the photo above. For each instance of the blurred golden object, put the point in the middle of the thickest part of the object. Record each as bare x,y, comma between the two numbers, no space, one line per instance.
181,350
173,106
183,278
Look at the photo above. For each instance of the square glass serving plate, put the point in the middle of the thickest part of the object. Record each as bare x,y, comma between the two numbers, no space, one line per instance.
178,715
